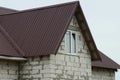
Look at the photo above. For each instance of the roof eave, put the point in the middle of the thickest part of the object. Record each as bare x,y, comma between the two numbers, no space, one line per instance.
19,59
105,62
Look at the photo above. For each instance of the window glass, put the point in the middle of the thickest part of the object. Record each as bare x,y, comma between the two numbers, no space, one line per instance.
70,42
73,43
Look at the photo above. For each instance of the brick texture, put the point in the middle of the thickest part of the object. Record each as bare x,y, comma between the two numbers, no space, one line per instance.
103,74
8,70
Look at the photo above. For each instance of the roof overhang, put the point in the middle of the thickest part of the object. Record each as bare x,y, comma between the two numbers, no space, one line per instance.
12,58
105,62
87,34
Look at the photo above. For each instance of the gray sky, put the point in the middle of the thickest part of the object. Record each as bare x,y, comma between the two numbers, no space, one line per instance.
103,18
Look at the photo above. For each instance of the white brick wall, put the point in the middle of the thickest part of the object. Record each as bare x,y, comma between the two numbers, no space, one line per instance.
103,74
8,70
34,68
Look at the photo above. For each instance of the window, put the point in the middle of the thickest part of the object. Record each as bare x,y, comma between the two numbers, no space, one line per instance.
71,42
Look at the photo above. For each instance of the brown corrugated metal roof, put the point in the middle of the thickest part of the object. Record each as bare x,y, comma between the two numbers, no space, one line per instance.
39,32
4,10
6,49
106,62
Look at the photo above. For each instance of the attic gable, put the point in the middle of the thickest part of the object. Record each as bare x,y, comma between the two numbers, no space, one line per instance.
40,31
73,42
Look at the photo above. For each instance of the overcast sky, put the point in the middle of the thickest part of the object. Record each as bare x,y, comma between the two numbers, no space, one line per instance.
103,17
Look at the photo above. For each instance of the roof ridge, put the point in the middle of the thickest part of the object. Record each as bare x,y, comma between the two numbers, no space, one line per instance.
8,8
11,41
44,7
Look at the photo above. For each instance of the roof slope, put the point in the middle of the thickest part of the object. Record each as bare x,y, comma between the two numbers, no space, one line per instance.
6,49
6,11
40,31
105,63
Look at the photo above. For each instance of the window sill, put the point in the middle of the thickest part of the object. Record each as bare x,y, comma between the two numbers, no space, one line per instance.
70,54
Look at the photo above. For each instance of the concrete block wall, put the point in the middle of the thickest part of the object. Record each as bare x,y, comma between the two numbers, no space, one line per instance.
8,70
36,68
103,74
70,67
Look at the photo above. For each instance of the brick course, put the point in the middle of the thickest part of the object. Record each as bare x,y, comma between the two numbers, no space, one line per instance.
8,70
103,74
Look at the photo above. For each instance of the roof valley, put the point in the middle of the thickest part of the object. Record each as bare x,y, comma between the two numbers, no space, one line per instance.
11,41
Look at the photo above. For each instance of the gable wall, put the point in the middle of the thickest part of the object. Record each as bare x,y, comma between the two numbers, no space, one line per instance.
103,74
78,66
8,70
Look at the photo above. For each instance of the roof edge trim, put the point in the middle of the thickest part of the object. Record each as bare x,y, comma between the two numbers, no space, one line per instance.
85,29
13,58
44,7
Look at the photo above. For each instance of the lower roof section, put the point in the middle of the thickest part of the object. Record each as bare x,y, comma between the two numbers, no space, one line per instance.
105,62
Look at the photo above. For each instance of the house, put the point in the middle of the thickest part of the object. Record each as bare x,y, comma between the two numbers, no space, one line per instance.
50,43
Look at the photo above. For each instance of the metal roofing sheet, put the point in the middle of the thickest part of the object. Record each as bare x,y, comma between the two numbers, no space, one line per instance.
105,63
6,49
39,32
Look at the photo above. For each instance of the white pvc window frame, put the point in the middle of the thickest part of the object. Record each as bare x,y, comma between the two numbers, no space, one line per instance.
71,42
